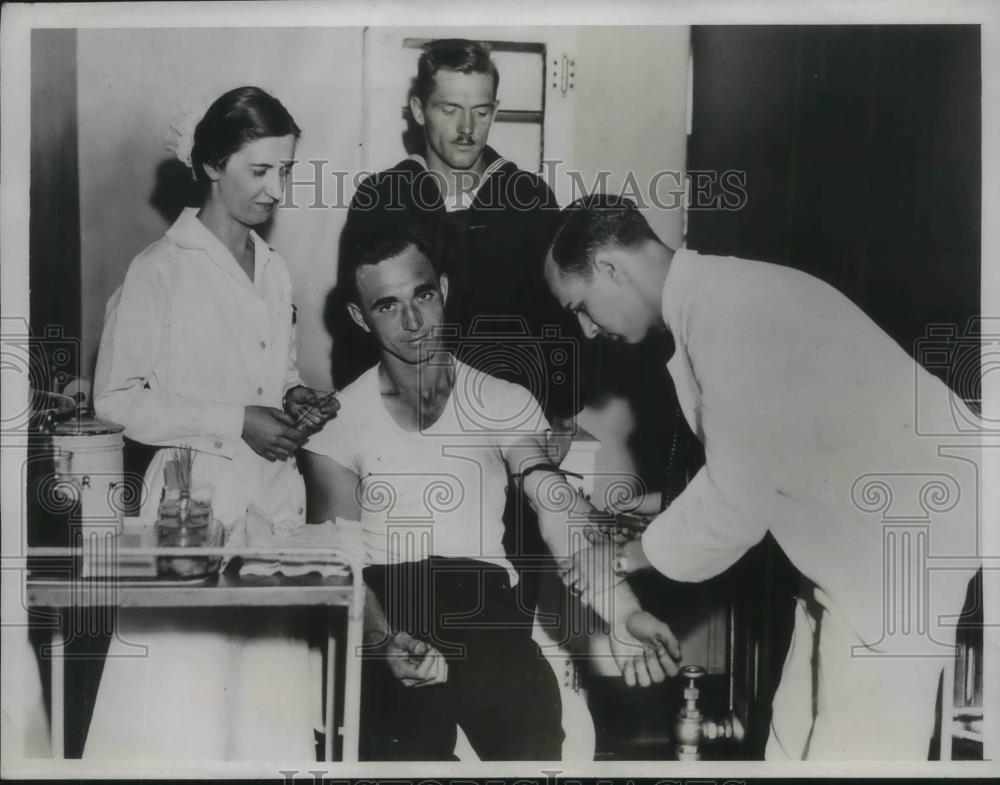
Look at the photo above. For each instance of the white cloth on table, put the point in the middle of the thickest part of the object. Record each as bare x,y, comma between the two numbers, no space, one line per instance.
188,342
333,543
438,491
804,405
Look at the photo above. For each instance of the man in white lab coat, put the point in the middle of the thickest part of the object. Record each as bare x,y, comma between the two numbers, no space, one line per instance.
811,420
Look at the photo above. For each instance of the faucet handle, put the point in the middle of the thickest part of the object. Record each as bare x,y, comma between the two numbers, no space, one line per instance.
692,672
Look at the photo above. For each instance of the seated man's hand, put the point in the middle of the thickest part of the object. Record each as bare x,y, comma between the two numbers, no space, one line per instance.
590,571
415,663
644,649
310,409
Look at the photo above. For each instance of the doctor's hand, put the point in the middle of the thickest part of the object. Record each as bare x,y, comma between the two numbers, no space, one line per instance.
627,525
415,663
644,649
636,501
270,432
310,409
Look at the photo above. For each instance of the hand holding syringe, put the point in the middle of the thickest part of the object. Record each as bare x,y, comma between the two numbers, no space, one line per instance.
311,409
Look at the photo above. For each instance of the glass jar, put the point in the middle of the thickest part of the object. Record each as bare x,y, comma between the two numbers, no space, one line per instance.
184,520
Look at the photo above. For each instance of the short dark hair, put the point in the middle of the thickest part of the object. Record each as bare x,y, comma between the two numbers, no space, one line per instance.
455,54
377,245
594,222
234,119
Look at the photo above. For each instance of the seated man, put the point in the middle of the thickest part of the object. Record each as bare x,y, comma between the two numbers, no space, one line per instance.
419,454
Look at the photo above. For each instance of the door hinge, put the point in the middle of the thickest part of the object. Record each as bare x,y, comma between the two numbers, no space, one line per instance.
563,73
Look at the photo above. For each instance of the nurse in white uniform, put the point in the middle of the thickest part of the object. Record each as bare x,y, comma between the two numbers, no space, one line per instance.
198,349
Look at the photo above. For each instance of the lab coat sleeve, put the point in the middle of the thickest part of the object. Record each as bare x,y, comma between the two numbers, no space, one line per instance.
292,377
700,534
125,391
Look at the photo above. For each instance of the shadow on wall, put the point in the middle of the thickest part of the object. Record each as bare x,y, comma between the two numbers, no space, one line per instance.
413,136
353,350
174,189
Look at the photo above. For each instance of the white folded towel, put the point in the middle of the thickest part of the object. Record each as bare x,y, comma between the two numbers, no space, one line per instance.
332,541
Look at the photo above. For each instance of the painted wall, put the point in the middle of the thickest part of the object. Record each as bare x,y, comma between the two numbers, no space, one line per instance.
628,119
631,113
131,83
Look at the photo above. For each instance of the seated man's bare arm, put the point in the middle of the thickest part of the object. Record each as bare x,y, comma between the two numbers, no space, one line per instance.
331,489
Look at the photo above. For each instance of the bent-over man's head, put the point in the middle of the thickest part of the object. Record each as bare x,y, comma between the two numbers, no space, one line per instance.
606,265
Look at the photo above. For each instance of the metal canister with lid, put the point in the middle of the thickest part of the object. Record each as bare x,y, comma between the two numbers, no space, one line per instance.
87,460
77,485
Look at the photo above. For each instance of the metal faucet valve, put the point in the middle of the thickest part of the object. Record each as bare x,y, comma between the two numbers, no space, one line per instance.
687,731
691,728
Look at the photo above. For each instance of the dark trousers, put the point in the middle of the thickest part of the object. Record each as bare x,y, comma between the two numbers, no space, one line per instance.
499,689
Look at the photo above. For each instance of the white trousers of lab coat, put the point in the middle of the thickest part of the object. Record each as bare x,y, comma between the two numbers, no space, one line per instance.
213,684
834,705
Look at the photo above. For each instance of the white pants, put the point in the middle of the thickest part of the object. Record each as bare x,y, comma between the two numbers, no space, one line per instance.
215,684
833,705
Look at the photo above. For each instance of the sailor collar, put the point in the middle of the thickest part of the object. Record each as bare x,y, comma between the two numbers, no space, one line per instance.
466,199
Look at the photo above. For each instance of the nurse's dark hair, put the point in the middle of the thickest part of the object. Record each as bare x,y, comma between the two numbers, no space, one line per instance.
455,54
594,222
380,243
235,119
